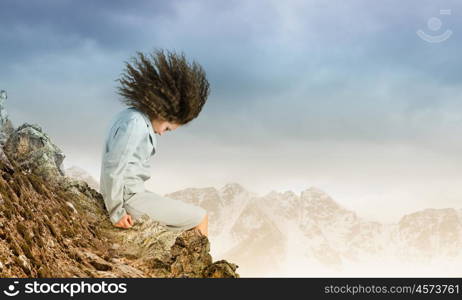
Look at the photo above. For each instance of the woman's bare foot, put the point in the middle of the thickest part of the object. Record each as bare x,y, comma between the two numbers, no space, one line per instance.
203,226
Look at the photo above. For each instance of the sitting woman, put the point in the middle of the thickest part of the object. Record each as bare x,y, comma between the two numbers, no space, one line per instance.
162,93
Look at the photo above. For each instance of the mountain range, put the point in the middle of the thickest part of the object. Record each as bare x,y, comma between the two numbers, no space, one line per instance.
309,234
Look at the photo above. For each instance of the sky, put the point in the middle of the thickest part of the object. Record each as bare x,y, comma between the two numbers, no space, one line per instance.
341,95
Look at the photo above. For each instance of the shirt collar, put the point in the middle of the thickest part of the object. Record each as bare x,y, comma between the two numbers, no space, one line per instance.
149,124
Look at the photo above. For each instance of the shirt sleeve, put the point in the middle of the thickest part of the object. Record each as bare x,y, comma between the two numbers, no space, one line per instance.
121,149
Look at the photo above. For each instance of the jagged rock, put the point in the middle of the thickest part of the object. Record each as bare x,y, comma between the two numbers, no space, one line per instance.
57,226
43,236
4,158
6,126
221,269
34,152
190,255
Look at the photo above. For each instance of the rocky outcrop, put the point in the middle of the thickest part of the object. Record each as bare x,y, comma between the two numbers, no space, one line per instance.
52,225
6,126
34,152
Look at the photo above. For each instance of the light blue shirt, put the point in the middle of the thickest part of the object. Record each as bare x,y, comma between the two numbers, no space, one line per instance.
129,144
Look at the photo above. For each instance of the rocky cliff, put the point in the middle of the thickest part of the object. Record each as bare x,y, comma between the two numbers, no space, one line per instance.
52,225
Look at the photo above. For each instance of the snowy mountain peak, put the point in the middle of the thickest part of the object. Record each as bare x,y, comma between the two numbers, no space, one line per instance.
230,191
449,218
266,233
316,197
285,204
81,174
232,187
315,191
75,170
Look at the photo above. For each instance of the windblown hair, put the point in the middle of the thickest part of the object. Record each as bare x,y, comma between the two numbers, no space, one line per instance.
165,87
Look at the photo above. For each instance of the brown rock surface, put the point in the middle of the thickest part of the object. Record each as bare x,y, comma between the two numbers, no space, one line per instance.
55,226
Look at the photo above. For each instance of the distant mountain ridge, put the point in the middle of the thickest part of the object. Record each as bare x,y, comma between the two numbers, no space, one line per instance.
266,233
263,233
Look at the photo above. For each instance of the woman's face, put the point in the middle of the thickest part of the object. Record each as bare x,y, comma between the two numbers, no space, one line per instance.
160,126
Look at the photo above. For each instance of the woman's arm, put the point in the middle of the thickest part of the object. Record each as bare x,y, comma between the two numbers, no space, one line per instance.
121,147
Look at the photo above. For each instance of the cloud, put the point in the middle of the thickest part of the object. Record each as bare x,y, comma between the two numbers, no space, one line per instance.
282,74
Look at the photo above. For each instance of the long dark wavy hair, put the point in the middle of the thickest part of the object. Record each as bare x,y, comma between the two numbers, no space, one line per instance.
165,87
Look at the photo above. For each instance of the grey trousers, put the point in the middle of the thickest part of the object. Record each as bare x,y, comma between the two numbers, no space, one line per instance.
174,214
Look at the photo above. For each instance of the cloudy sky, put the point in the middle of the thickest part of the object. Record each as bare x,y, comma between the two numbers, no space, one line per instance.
341,95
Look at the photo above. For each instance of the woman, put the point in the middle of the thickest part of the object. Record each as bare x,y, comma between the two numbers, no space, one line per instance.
162,93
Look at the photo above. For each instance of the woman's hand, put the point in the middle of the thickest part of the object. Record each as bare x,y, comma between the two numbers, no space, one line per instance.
125,222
